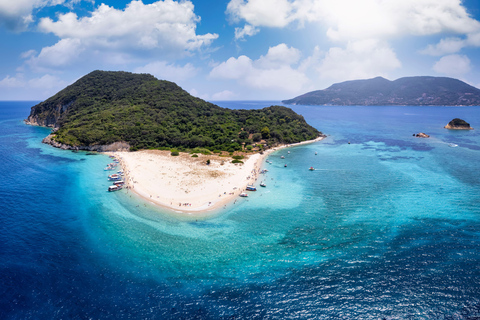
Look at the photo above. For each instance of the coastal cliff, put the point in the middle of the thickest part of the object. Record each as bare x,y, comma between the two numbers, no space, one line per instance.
104,108
38,116
416,91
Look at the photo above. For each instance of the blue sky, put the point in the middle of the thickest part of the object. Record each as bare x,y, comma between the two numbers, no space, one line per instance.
235,49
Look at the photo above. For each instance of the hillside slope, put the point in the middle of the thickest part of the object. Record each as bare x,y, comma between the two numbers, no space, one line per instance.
423,91
106,107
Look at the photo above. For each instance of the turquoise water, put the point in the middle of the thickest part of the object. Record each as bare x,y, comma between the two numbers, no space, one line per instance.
385,227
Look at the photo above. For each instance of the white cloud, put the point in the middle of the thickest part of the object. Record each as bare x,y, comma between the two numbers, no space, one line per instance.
223,95
445,46
359,60
59,55
278,56
46,82
167,26
453,65
283,71
12,82
247,30
269,13
19,86
170,72
114,37
28,54
273,71
233,68
17,15
348,20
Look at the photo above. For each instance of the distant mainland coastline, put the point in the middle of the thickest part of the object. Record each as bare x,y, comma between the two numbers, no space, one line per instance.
412,91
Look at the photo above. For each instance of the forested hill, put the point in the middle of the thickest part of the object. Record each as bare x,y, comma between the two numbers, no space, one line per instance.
422,91
106,107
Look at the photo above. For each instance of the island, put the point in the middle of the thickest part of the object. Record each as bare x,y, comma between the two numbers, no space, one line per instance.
458,124
413,91
176,150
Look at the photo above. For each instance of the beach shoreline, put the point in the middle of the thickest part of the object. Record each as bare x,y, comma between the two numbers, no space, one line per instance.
186,184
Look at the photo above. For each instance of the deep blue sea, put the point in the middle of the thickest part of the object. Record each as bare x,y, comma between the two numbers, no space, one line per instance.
386,227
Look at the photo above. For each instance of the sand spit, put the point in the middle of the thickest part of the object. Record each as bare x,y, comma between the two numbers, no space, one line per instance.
185,183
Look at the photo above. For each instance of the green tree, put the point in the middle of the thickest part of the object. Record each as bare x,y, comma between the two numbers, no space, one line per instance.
265,133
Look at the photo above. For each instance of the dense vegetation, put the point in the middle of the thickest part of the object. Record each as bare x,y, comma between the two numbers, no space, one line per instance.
420,91
106,107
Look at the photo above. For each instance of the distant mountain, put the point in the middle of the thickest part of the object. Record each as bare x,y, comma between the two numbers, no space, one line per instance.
418,91
140,111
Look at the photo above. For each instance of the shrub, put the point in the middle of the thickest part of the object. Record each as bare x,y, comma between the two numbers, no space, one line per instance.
195,156
238,157
174,153
237,161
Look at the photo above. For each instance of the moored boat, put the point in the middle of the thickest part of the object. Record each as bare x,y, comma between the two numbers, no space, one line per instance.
114,177
114,188
243,194
263,184
119,183
251,188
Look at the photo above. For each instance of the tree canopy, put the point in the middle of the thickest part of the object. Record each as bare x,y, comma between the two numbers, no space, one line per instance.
106,107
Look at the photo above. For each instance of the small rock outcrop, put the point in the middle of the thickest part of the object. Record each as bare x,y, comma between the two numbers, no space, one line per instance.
421,135
458,124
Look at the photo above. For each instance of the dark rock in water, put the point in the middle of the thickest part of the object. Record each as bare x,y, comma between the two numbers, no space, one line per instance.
421,135
458,124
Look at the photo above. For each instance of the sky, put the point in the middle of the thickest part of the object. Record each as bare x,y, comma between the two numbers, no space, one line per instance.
235,49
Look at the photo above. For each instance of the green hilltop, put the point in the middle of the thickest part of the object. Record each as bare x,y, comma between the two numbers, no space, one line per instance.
104,107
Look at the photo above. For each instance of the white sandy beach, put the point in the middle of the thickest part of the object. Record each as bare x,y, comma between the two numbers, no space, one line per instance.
185,183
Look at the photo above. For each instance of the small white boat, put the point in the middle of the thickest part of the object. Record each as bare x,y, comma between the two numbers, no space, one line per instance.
288,151
315,152
251,188
263,185
243,194
453,145
282,157
114,188
119,182
114,177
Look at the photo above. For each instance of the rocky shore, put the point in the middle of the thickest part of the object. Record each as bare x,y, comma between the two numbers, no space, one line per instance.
116,146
